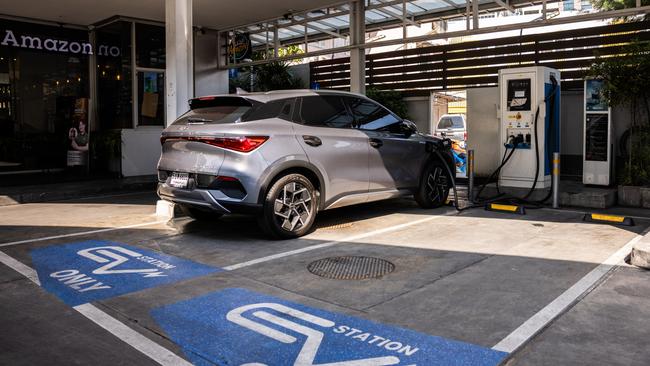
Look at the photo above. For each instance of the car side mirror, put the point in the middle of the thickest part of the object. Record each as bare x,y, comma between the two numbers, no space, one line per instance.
408,127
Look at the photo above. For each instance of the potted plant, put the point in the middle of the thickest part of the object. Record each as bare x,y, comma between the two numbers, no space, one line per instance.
625,84
106,150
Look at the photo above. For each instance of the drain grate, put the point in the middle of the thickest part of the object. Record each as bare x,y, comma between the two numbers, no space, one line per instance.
350,267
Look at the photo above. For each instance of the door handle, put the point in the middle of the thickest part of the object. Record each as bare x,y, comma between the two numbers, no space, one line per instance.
312,140
376,143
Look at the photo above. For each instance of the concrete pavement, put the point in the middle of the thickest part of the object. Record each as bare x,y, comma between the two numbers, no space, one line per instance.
461,284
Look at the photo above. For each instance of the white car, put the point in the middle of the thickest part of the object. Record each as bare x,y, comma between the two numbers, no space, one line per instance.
452,126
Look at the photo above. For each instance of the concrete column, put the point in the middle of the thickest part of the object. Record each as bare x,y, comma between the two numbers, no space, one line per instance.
357,55
179,73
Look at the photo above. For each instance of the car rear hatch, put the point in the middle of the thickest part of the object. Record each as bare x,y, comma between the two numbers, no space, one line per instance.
194,142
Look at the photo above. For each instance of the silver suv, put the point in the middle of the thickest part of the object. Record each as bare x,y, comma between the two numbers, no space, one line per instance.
286,155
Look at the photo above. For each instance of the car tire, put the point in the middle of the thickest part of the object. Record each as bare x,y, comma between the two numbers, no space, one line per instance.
434,186
200,215
290,207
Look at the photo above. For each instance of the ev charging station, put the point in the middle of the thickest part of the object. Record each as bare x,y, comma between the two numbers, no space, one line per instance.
597,147
529,125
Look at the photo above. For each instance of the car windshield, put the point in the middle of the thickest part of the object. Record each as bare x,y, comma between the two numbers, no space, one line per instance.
451,122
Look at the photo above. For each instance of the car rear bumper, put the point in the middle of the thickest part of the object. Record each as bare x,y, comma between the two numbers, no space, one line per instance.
204,199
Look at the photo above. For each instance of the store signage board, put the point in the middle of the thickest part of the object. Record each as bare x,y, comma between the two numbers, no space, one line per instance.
11,39
237,326
93,270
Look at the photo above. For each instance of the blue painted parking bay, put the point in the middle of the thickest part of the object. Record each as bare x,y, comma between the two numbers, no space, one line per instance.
240,327
88,271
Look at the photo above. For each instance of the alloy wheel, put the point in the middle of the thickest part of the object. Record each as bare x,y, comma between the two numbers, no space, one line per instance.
436,184
293,206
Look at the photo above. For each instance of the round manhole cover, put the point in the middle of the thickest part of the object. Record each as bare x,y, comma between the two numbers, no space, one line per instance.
350,267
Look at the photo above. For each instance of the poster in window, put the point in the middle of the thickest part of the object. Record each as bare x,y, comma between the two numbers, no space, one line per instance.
79,134
149,107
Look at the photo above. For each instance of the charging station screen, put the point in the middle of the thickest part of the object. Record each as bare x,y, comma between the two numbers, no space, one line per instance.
519,95
596,137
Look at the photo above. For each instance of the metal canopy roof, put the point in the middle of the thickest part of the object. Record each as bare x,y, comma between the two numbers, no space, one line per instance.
333,21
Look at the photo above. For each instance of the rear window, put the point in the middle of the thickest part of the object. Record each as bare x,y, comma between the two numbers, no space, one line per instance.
280,108
211,102
217,110
451,122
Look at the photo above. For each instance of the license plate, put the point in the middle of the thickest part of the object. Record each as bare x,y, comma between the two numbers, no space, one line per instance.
179,180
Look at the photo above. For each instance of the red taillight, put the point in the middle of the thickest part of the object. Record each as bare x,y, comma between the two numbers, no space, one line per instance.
239,143
465,136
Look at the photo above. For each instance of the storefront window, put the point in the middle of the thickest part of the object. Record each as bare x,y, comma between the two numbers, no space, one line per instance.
150,46
114,97
43,93
150,63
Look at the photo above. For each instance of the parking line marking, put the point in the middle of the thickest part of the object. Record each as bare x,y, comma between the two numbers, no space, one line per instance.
80,233
122,331
565,301
332,243
136,340
19,267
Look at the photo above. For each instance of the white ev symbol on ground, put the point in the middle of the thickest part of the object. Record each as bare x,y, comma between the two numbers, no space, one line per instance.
314,337
115,260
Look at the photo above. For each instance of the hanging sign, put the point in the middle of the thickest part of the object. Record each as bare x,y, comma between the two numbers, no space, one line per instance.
239,47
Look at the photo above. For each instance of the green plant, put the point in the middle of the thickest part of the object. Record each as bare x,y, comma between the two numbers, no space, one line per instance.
625,83
275,75
390,99
282,52
607,5
106,144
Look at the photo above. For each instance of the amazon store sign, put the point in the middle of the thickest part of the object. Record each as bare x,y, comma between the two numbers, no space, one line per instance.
11,39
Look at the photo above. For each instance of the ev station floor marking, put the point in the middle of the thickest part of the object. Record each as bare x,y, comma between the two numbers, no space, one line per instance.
537,322
333,242
216,327
136,340
88,271
81,233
